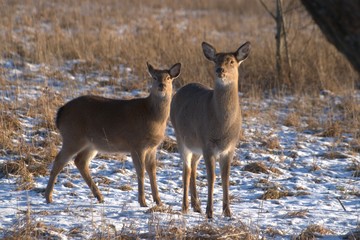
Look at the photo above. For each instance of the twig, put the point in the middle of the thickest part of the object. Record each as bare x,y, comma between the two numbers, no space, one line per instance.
342,205
267,9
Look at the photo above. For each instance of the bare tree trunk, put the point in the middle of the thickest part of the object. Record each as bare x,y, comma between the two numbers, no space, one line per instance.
287,53
281,42
278,36
339,20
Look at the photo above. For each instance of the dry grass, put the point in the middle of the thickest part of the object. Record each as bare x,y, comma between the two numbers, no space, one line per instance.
103,181
332,129
355,167
26,227
273,232
169,145
313,124
313,232
275,194
209,231
25,179
256,167
260,167
105,34
292,120
298,214
271,143
162,209
44,108
355,145
10,126
36,230
68,185
125,187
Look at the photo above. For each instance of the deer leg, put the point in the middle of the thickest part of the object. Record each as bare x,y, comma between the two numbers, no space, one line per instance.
82,161
195,203
62,158
186,158
139,162
225,162
150,165
210,170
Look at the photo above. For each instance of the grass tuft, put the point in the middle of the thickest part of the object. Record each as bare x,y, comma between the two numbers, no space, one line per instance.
162,209
209,231
271,143
169,145
313,232
275,194
333,129
256,167
125,187
292,120
298,214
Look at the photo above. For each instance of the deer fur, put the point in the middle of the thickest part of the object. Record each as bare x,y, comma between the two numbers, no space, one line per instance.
208,122
92,124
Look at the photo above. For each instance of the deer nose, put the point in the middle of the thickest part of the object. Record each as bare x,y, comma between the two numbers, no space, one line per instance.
161,86
219,70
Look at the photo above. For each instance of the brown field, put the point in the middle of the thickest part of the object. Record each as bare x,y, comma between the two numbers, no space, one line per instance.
107,33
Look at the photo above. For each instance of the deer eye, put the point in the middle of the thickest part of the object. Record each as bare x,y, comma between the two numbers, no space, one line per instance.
232,62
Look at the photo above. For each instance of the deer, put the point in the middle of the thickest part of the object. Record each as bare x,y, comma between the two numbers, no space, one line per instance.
91,124
208,122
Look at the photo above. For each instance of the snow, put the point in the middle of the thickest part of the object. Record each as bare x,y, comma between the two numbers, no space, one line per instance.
327,187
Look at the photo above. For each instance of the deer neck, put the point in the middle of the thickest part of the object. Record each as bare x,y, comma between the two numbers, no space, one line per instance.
226,102
159,106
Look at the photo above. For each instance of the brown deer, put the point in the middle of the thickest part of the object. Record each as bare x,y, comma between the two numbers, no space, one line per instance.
91,124
208,122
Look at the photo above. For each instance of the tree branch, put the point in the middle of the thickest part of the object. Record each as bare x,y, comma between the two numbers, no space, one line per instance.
267,9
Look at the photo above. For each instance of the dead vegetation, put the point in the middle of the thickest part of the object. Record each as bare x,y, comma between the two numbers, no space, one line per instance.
68,185
313,232
292,120
125,187
332,129
44,108
209,231
260,167
25,179
162,209
106,35
355,167
271,143
274,232
26,227
298,214
256,167
273,193
169,145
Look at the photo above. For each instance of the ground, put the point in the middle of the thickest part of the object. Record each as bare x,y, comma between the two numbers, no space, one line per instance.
294,172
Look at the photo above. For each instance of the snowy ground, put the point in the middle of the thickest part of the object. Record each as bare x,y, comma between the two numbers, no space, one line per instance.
322,188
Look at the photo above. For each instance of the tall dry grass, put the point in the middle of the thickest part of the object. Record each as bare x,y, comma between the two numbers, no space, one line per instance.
108,33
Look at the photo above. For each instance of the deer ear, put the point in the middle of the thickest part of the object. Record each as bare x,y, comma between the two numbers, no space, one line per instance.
175,70
150,69
209,51
243,52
